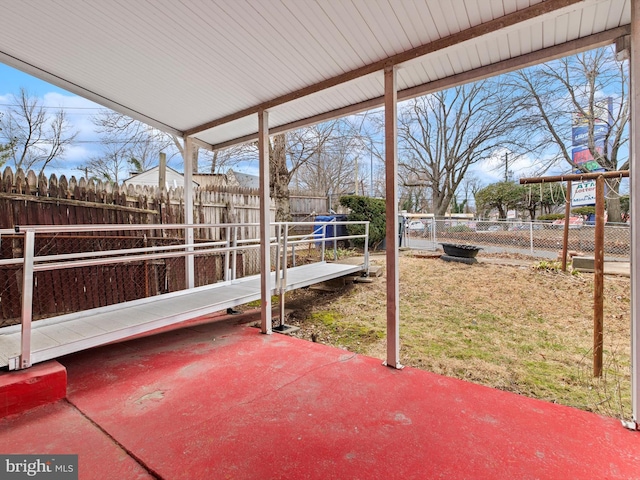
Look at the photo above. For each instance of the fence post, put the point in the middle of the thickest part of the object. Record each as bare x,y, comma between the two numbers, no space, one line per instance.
435,236
27,298
531,236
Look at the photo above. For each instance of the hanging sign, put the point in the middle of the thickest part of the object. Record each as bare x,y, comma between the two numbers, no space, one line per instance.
583,193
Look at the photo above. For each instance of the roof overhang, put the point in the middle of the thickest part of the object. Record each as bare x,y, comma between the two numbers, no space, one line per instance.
205,69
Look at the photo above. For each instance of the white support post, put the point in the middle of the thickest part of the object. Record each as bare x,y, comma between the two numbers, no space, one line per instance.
634,137
392,240
189,265
265,223
27,298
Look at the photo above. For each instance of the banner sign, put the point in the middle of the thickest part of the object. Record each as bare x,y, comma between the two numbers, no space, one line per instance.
581,155
583,193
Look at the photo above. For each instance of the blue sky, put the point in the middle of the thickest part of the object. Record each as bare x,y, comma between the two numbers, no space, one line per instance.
80,110
77,109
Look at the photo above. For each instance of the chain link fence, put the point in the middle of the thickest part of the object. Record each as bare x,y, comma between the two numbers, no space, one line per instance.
537,239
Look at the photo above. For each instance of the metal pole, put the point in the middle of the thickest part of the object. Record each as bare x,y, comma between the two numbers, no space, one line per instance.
188,211
371,168
356,175
27,299
278,254
531,236
335,242
634,148
265,222
227,253
366,248
598,280
391,188
283,285
234,258
324,236
434,237
565,233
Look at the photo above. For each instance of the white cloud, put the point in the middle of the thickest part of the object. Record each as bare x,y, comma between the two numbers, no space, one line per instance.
78,111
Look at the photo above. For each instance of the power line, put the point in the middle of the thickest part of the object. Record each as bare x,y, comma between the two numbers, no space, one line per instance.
62,107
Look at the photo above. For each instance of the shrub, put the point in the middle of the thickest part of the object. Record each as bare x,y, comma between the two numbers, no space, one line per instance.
584,211
551,216
366,209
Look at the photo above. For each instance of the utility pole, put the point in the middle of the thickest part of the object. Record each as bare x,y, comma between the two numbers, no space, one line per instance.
506,166
356,181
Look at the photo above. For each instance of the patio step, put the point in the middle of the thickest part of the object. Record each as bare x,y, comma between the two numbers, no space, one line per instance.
25,389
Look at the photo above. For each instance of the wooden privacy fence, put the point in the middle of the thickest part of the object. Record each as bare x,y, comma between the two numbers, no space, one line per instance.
36,200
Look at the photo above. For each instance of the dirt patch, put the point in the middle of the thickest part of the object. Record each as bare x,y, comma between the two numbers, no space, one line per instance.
515,328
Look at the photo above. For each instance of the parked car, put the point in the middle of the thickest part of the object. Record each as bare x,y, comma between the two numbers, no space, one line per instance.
574,223
416,226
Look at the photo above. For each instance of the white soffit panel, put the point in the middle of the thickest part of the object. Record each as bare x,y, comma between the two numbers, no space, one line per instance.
180,64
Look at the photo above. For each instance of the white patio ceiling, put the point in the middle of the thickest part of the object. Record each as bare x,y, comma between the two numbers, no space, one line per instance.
205,67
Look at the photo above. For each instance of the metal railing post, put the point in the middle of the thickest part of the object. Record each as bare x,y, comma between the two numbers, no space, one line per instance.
335,241
227,234
27,299
278,235
324,238
234,258
283,286
366,248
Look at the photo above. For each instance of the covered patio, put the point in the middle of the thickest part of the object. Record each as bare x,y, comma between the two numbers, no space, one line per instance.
217,400
224,399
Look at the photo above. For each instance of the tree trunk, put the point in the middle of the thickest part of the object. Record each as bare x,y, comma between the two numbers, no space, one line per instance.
194,159
614,212
279,178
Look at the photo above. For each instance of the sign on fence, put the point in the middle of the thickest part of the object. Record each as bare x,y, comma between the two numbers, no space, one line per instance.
583,193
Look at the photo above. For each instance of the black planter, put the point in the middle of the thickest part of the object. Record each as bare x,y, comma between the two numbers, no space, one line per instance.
463,251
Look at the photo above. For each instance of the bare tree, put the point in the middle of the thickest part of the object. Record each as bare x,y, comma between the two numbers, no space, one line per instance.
5,149
289,152
108,167
332,169
471,185
139,146
35,137
591,87
129,145
441,135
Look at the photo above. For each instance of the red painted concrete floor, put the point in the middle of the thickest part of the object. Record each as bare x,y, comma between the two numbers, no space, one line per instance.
223,401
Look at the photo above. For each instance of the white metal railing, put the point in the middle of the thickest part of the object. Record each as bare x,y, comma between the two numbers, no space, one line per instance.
229,248
319,235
